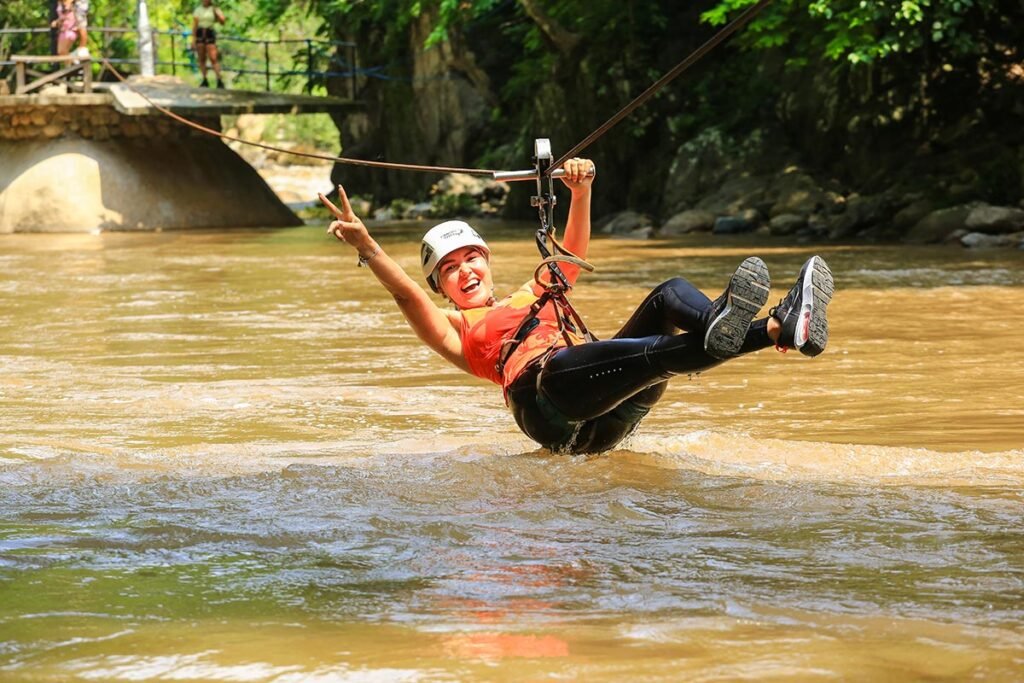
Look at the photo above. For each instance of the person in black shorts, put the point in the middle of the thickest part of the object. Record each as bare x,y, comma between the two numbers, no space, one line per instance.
204,39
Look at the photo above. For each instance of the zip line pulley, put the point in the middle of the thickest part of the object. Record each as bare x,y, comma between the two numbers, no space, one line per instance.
569,320
545,201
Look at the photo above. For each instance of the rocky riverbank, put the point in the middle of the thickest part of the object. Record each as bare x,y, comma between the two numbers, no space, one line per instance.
716,185
790,203
728,186
724,186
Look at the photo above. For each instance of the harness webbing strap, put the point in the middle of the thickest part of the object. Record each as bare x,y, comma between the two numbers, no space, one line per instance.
566,315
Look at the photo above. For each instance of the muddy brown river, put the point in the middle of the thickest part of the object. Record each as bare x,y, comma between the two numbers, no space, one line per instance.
224,456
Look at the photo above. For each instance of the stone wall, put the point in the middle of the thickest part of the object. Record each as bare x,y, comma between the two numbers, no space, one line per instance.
91,122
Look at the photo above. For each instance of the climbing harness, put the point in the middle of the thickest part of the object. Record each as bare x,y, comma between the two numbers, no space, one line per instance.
557,286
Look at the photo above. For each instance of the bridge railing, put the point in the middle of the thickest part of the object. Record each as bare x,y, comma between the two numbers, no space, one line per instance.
274,65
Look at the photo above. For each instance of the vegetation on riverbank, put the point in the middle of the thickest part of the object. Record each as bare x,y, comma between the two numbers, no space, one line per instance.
874,106
825,119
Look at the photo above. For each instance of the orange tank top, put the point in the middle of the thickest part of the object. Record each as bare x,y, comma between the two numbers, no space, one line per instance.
485,329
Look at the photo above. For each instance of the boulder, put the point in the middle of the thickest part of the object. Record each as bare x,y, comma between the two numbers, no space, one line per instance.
624,222
909,215
478,187
250,127
732,225
736,194
938,224
861,212
786,224
994,220
420,210
980,240
467,195
639,234
752,216
797,193
691,220
955,236
700,166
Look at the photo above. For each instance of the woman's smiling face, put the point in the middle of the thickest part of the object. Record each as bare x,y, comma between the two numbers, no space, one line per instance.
465,277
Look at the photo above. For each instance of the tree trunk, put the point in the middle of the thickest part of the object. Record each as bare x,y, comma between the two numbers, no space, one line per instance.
561,39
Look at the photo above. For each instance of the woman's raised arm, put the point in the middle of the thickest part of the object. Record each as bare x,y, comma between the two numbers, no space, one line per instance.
428,321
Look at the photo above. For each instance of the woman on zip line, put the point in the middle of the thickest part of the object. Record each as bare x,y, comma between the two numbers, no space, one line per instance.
567,394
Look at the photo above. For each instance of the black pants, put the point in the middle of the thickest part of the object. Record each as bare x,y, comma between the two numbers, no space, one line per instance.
588,398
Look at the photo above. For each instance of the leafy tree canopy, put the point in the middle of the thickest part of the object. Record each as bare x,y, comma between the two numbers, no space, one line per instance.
863,31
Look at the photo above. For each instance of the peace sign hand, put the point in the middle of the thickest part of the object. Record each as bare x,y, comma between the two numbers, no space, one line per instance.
348,228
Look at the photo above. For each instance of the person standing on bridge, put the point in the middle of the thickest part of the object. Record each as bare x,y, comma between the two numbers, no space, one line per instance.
66,25
82,19
204,39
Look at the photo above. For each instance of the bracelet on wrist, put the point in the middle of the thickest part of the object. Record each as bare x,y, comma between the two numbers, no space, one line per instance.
364,261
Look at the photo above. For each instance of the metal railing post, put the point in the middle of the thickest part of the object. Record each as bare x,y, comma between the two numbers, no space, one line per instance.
145,41
174,56
309,66
266,62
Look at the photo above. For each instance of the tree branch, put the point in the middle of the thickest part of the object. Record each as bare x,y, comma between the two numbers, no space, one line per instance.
563,40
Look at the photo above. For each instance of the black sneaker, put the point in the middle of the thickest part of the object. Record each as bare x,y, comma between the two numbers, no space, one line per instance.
732,312
204,83
220,84
802,311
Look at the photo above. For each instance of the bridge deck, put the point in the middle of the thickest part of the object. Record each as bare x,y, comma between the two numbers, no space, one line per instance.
183,99
189,101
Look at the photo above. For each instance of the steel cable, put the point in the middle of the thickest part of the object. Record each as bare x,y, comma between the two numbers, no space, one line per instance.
326,157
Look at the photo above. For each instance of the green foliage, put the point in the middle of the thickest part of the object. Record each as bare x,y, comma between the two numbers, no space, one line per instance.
398,207
815,65
311,130
862,31
20,14
447,205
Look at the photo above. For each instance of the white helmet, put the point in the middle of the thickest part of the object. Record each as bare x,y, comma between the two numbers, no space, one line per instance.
442,240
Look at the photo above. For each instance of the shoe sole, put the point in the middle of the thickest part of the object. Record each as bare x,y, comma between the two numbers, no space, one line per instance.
748,291
818,288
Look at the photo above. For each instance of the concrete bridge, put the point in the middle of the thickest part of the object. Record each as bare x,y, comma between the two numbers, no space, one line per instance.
109,160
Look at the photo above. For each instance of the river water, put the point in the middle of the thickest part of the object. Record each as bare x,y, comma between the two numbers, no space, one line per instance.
224,457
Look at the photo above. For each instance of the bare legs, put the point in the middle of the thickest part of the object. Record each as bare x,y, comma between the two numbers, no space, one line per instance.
204,51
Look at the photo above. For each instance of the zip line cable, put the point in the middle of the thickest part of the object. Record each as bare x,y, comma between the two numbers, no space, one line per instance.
326,157
733,26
